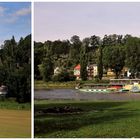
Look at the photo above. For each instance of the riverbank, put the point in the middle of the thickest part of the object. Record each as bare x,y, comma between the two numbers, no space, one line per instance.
51,85
63,85
87,119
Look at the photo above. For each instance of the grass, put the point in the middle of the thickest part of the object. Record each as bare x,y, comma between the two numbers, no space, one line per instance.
12,105
70,84
50,85
98,119
15,119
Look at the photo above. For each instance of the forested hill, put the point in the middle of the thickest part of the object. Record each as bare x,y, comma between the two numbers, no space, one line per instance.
111,51
15,68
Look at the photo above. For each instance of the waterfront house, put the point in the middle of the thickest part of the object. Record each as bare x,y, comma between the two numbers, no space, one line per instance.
110,73
77,71
57,70
92,71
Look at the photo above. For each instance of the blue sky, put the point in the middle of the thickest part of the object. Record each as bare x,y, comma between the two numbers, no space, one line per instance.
15,19
61,20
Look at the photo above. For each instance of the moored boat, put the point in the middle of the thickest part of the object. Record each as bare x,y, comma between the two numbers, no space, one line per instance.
115,86
100,88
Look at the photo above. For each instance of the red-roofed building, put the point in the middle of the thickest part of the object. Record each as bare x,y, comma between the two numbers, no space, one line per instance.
77,71
92,71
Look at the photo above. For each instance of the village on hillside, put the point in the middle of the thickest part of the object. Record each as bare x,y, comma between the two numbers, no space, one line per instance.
92,72
89,59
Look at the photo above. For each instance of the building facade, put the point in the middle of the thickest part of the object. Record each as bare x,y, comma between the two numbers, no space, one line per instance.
77,71
92,71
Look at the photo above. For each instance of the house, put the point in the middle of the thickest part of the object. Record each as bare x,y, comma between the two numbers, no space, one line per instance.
125,73
110,73
77,71
92,71
57,70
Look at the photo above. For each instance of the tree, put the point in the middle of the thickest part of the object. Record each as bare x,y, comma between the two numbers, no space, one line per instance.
74,54
113,40
46,68
38,57
116,52
133,54
15,68
114,58
94,42
83,63
100,64
64,76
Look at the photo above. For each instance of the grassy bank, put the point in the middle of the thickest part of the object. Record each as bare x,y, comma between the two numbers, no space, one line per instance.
50,85
13,105
88,119
71,84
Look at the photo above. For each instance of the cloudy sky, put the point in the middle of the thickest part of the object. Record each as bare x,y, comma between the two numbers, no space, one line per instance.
61,20
15,19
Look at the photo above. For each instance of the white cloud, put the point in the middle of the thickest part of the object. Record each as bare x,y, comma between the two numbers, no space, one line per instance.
2,9
13,17
23,12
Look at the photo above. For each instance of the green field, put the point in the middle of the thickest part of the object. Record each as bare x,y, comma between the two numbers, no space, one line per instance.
11,104
15,119
87,120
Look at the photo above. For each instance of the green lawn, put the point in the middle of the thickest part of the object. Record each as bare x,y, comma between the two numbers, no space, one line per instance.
94,120
15,119
12,104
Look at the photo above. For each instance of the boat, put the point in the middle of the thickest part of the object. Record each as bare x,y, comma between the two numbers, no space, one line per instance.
94,90
130,85
135,87
100,88
115,86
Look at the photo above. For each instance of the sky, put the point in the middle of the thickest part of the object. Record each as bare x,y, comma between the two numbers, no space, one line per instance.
15,20
62,20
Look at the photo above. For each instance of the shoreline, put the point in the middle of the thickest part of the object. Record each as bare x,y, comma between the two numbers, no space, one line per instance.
62,85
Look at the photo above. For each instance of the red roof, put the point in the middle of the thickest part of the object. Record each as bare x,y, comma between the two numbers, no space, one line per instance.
77,67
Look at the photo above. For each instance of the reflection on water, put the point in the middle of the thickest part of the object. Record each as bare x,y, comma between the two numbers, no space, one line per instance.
77,95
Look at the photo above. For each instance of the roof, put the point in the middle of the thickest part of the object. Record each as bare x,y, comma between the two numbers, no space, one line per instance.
78,67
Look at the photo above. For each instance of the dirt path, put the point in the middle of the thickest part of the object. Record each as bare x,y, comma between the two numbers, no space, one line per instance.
15,124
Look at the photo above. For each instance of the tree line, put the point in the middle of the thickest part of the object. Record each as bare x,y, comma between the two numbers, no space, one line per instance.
15,68
111,51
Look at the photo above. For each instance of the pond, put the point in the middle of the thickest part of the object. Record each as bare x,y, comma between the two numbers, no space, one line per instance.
73,94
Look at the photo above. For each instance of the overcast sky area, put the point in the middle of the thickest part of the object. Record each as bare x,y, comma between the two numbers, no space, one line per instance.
15,20
62,20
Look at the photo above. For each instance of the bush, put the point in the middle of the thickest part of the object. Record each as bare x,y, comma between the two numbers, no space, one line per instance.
64,76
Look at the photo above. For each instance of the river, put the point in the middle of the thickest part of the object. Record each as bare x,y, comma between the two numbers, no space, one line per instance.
77,95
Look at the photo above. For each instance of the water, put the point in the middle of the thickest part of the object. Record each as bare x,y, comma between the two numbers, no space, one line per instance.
77,95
